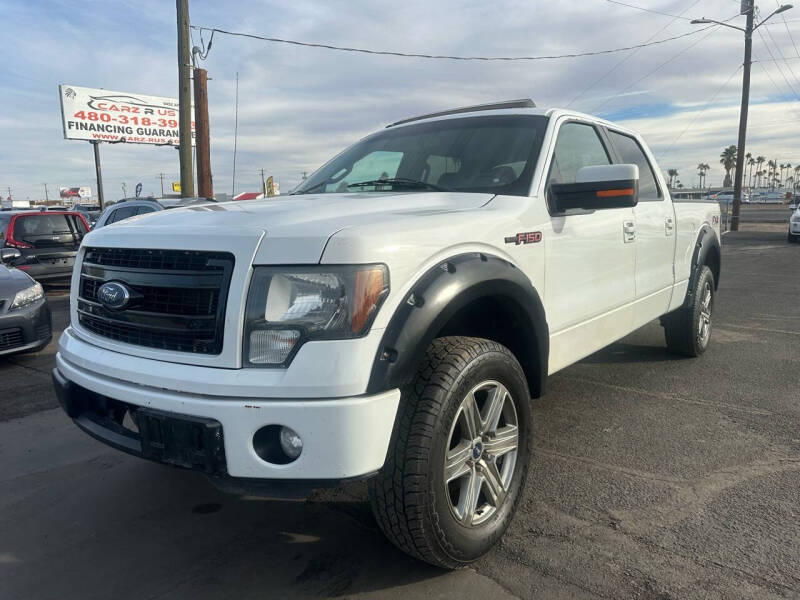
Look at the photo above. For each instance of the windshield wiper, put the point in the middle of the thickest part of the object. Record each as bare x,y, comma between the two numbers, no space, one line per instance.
400,182
308,191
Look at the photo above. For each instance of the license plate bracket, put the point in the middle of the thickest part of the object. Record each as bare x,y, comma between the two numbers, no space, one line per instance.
182,440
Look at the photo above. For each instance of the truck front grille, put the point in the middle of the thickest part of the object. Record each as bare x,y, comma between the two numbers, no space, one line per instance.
178,297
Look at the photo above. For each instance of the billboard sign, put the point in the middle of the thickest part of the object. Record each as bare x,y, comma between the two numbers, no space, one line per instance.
108,116
74,193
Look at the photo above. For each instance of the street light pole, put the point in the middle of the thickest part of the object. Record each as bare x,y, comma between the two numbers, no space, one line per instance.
748,7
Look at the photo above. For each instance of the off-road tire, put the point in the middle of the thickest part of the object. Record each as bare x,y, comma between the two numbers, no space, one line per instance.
682,328
409,493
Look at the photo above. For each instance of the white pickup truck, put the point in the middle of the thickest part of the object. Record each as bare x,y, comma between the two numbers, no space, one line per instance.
392,319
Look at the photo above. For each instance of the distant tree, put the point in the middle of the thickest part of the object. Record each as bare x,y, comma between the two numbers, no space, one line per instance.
673,173
751,163
702,169
771,167
759,161
728,161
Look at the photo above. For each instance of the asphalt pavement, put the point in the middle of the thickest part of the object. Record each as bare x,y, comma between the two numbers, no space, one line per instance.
653,477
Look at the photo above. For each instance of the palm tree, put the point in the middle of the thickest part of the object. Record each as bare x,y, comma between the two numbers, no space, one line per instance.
772,165
797,175
751,162
701,172
728,161
673,173
788,170
759,161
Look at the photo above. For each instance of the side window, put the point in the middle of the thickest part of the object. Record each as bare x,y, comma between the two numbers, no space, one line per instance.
143,210
631,152
79,226
122,213
578,145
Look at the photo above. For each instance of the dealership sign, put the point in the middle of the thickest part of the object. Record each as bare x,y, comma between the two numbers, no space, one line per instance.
75,192
107,116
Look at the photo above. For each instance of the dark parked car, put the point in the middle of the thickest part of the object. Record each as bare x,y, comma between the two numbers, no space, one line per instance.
90,212
127,208
47,241
24,315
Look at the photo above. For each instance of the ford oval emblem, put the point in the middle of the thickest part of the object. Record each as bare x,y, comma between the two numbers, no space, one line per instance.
113,295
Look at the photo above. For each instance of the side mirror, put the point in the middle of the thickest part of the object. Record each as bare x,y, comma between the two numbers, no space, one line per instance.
8,255
598,187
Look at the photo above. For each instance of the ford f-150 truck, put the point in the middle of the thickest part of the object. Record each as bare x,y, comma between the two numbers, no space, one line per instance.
392,319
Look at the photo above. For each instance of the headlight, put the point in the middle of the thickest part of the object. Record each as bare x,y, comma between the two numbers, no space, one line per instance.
27,296
287,306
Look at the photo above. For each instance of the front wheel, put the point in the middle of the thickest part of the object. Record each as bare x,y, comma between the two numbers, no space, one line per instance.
459,454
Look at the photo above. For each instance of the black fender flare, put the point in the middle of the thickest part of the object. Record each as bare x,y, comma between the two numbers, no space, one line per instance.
707,242
438,295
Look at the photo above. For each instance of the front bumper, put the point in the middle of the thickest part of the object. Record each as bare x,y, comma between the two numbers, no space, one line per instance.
794,227
25,329
343,438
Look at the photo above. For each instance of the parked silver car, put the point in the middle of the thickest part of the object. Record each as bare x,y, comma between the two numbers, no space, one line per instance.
125,209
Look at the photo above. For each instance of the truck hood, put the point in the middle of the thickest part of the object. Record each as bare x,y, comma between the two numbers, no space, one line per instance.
294,229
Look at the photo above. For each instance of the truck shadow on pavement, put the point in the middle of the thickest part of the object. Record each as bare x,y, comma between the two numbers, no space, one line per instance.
625,352
113,526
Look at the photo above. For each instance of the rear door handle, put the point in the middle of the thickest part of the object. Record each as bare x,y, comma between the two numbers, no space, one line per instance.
628,231
669,225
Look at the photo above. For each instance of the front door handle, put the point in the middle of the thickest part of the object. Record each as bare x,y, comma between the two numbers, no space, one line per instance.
628,231
669,226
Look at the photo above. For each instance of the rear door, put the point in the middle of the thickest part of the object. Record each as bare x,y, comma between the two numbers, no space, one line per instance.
52,240
655,232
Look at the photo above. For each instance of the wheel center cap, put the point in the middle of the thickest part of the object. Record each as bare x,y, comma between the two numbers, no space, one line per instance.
477,450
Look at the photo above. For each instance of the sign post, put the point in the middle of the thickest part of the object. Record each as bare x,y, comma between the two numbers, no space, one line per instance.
100,199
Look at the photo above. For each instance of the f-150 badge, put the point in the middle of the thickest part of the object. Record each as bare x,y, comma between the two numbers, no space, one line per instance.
529,237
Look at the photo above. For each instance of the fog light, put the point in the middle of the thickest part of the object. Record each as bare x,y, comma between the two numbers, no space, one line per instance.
271,346
291,444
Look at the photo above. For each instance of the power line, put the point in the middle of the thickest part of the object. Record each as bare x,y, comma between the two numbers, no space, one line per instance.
780,52
444,56
663,64
628,56
777,64
698,115
650,10
767,73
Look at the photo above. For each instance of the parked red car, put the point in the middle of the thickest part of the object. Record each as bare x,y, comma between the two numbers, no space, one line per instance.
48,241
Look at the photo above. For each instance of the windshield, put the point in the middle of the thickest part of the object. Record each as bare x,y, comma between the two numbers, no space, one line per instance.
494,154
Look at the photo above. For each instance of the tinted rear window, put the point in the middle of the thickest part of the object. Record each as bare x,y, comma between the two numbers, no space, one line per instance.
41,225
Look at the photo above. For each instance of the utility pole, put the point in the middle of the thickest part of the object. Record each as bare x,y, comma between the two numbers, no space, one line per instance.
204,186
740,159
96,144
747,8
161,177
184,99
263,183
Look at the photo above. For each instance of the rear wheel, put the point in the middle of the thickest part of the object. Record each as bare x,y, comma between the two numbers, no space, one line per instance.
459,453
792,238
688,329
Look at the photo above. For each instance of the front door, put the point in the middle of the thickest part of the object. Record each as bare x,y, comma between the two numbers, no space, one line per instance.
590,257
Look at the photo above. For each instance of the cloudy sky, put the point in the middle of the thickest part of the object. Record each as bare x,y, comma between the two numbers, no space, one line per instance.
298,106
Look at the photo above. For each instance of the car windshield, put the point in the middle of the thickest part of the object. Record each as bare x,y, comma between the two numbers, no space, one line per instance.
494,154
